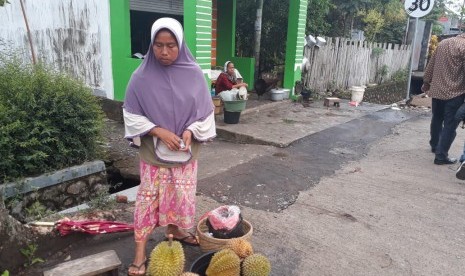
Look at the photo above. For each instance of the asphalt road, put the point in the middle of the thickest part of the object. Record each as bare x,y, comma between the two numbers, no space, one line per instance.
361,197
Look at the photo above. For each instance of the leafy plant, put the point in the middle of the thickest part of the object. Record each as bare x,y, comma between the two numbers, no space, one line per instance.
400,75
317,10
6,273
48,120
2,3
37,211
101,201
376,52
30,253
382,73
374,23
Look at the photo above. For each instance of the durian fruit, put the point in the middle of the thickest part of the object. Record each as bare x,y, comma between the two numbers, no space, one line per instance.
166,259
189,274
256,265
224,263
241,247
220,254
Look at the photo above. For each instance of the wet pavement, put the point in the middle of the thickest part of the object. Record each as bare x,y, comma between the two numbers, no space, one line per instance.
273,181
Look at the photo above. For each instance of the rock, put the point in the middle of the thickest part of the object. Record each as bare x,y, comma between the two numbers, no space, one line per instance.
421,100
76,188
17,209
121,199
68,202
100,188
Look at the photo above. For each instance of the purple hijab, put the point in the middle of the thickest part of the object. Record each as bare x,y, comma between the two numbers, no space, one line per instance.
173,96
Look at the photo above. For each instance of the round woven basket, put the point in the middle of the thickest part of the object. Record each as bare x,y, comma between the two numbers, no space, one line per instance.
208,243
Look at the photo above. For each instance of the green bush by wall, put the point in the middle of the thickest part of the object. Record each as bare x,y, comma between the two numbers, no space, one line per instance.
48,121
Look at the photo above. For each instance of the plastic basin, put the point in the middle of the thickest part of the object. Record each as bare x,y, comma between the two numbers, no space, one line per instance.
235,106
200,265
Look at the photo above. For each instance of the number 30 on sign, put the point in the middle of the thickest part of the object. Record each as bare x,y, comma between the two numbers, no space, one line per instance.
418,8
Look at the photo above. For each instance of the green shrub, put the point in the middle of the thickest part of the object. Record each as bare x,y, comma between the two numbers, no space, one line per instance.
400,75
48,121
376,52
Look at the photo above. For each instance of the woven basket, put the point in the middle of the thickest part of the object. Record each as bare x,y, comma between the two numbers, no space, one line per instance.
208,243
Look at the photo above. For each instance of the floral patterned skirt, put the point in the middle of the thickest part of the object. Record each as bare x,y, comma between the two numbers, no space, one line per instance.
165,196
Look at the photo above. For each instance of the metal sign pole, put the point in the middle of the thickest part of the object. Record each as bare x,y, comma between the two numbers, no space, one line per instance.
416,9
414,44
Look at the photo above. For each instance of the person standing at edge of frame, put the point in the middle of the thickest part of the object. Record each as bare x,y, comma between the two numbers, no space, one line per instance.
444,81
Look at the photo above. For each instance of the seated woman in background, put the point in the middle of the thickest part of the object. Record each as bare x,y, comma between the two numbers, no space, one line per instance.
227,80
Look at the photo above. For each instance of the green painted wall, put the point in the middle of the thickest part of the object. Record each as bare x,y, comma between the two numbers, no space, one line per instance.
198,31
246,67
295,42
189,26
122,63
226,42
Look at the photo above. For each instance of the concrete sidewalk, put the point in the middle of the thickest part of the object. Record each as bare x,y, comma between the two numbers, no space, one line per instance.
282,123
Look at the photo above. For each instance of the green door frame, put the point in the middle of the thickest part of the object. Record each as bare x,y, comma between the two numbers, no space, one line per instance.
294,44
122,63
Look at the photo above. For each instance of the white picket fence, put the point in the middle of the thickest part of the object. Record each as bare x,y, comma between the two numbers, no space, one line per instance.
343,63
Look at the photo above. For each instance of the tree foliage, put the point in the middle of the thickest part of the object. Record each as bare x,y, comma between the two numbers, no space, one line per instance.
245,19
374,23
317,11
274,31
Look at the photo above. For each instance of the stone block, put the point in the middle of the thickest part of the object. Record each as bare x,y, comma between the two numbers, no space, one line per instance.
104,263
420,100
76,187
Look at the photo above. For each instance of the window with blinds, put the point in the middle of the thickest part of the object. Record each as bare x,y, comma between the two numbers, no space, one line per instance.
158,6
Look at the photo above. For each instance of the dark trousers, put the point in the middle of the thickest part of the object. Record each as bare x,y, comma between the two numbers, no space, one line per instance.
444,124
460,116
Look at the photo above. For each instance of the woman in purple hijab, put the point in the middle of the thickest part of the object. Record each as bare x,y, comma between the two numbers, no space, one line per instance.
168,112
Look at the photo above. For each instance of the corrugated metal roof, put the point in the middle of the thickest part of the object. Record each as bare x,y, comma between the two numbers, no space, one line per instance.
158,6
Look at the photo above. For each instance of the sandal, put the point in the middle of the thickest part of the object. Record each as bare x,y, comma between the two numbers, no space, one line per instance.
144,264
184,241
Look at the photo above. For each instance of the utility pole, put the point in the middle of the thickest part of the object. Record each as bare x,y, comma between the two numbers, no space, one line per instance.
462,14
258,36
28,33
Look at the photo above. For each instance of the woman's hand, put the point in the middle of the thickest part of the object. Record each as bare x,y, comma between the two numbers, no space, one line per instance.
171,140
187,138
425,88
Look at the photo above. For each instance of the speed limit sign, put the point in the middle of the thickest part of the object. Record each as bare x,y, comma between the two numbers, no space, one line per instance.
418,8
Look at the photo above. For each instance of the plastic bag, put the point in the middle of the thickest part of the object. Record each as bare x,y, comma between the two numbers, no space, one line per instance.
236,232
242,94
225,217
229,95
225,222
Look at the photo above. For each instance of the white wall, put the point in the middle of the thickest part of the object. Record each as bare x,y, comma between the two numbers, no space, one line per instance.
71,35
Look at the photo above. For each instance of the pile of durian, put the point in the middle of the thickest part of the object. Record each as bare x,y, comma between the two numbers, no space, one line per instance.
236,259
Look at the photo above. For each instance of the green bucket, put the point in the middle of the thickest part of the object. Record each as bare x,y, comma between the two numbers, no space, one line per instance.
235,106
